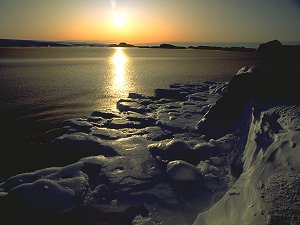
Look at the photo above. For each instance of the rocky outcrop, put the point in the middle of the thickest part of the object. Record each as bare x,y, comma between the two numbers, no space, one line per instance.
253,88
262,103
277,54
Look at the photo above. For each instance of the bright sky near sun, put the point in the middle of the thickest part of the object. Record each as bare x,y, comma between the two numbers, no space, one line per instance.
151,21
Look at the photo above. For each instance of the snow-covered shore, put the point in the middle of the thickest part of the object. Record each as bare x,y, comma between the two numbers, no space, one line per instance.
175,158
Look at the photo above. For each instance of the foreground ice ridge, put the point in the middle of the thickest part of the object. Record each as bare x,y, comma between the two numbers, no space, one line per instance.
184,156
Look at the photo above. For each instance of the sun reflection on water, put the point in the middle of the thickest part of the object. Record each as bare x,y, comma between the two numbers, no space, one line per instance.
119,82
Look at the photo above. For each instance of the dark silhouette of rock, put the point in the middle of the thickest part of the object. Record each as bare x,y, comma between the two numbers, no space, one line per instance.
276,54
121,44
171,46
270,47
255,87
239,49
252,87
164,46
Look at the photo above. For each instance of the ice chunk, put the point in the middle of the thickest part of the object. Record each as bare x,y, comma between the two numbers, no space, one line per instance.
80,125
109,134
172,150
183,171
124,105
49,196
71,147
171,93
105,114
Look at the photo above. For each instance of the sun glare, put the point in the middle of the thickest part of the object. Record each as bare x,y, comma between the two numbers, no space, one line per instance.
119,21
119,61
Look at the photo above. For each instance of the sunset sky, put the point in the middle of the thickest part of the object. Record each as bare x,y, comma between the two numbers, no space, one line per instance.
151,21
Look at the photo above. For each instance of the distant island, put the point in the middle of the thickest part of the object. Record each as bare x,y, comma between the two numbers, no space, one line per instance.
121,44
37,43
240,49
166,46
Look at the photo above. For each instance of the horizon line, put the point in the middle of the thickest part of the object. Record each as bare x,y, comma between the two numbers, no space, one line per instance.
185,43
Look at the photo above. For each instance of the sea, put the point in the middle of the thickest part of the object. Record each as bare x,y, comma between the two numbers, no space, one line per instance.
40,87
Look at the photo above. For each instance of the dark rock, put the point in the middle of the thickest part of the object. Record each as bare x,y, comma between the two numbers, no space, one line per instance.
252,87
278,55
270,47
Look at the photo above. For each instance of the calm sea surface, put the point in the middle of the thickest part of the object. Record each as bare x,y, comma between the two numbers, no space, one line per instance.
40,86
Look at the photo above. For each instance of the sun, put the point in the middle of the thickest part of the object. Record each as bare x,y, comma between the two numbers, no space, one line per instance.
119,20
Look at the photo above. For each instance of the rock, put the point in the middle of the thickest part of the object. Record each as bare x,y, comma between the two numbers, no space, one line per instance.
278,55
271,47
235,107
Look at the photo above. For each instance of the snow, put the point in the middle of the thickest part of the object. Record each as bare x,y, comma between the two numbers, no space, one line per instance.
208,153
268,189
183,171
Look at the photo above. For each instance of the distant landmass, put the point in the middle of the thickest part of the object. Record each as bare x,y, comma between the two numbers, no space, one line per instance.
122,44
241,49
37,43
166,46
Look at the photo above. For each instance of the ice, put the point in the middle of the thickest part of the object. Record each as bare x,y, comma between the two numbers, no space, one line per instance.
106,133
78,125
172,150
262,194
105,114
183,171
134,105
71,147
44,195
153,133
228,153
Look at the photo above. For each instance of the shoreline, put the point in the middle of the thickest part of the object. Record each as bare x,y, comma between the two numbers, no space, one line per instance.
193,148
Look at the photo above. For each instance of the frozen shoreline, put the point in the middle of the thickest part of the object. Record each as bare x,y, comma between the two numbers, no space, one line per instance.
155,163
